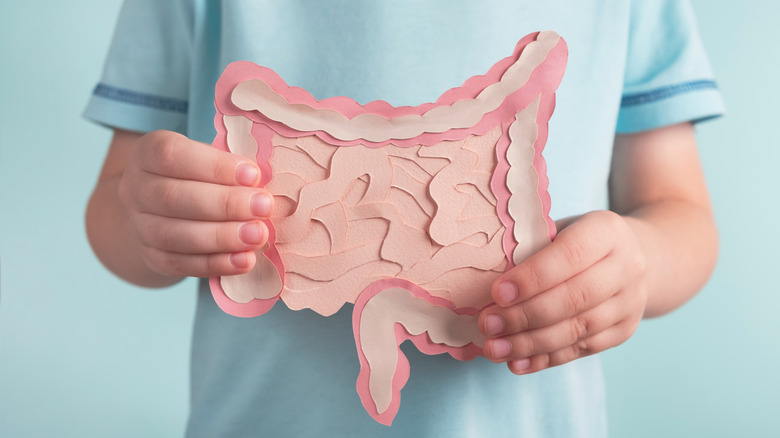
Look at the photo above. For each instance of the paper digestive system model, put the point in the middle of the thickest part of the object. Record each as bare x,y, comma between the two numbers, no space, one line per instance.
410,213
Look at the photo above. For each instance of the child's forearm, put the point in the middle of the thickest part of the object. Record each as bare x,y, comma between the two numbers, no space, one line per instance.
680,241
658,185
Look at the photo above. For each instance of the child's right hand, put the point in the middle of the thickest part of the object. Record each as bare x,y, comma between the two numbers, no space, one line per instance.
189,209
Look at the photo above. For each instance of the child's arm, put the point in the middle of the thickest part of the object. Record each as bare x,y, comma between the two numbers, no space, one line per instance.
166,207
587,291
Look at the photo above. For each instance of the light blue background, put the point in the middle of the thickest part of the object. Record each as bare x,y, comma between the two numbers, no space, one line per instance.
83,354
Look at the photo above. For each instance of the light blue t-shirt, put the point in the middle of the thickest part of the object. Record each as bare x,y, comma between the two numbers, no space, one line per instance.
633,66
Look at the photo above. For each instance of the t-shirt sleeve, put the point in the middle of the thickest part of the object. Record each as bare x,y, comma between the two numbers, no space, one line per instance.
145,80
668,77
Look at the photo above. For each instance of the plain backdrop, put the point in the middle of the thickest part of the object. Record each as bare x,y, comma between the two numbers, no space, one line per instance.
84,355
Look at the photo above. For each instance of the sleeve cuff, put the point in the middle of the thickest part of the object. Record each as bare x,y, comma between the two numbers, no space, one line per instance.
694,101
134,111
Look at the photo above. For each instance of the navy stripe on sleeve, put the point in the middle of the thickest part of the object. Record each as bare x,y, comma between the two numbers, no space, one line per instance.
141,99
666,92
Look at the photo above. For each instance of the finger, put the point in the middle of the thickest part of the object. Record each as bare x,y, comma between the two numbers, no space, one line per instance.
199,265
560,335
195,200
609,338
576,248
173,155
572,297
198,237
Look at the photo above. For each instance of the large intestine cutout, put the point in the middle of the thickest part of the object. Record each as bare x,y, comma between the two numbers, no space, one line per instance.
410,213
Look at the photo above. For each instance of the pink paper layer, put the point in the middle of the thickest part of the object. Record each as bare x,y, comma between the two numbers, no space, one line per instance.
390,260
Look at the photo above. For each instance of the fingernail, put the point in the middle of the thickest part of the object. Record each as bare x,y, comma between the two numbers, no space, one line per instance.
507,293
500,348
239,260
261,205
521,364
247,174
494,324
251,233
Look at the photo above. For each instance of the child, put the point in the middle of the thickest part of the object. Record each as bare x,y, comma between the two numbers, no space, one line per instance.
638,238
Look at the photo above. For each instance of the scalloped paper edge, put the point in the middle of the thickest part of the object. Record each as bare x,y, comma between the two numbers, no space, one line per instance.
543,82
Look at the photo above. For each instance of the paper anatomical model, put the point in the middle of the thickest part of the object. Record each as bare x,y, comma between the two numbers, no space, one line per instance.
410,213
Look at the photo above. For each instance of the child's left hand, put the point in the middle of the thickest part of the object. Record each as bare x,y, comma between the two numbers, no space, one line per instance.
588,290
582,294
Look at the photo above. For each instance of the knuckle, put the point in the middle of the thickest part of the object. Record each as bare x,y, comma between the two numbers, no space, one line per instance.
163,236
561,357
160,149
155,137
176,264
582,348
543,361
214,265
573,252
544,315
577,300
611,219
170,195
537,363
225,238
521,318
148,144
529,278
165,153
224,168
524,346
579,328
638,263
158,261
232,202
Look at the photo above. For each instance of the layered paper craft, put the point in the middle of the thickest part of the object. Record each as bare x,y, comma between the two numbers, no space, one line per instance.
410,213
